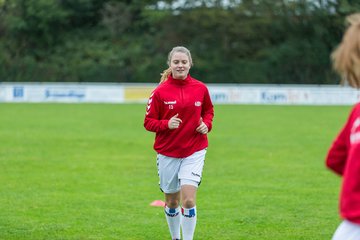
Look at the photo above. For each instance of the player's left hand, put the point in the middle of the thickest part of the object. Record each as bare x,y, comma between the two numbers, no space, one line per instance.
202,128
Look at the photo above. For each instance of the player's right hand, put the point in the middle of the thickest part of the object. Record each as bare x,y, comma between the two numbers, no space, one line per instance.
174,122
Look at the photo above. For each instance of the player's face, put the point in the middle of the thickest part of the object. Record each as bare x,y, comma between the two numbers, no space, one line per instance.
180,65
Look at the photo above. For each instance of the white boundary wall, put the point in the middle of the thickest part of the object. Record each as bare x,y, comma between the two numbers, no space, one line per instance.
284,94
220,93
60,92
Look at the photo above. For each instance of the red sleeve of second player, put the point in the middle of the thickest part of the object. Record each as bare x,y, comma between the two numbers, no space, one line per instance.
338,152
337,155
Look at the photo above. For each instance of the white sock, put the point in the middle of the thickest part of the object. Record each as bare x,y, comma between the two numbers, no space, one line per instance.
188,222
173,220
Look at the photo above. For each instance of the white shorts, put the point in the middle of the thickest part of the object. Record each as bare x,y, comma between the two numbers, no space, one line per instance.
175,172
347,231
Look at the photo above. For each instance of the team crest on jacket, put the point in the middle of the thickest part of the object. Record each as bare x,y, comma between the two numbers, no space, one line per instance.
197,104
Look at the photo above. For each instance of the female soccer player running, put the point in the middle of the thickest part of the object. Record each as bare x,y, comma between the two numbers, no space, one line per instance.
344,155
180,112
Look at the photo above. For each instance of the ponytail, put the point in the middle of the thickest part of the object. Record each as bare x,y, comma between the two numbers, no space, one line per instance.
164,75
346,57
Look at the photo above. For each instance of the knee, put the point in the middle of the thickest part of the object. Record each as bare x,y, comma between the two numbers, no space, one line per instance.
188,202
172,203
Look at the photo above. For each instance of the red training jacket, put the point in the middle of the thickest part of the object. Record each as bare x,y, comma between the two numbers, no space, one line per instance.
344,159
191,100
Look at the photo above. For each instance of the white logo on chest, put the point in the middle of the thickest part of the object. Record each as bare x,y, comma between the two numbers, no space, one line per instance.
170,104
197,104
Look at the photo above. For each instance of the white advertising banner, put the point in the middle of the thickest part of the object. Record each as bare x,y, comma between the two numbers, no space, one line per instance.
67,93
139,93
283,94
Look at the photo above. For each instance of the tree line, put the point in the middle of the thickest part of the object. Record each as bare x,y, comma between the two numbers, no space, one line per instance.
248,41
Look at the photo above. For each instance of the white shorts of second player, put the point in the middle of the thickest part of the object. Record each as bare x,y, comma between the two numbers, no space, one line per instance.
347,231
175,172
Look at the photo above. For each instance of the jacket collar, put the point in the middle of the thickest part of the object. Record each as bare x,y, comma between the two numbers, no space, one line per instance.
178,81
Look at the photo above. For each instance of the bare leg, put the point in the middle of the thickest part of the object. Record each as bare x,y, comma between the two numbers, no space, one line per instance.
172,213
188,196
172,200
188,220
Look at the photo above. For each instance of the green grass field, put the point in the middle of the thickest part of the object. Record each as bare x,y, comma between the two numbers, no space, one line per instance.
88,171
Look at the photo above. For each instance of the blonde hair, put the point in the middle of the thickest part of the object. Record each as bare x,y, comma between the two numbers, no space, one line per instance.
165,74
346,57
